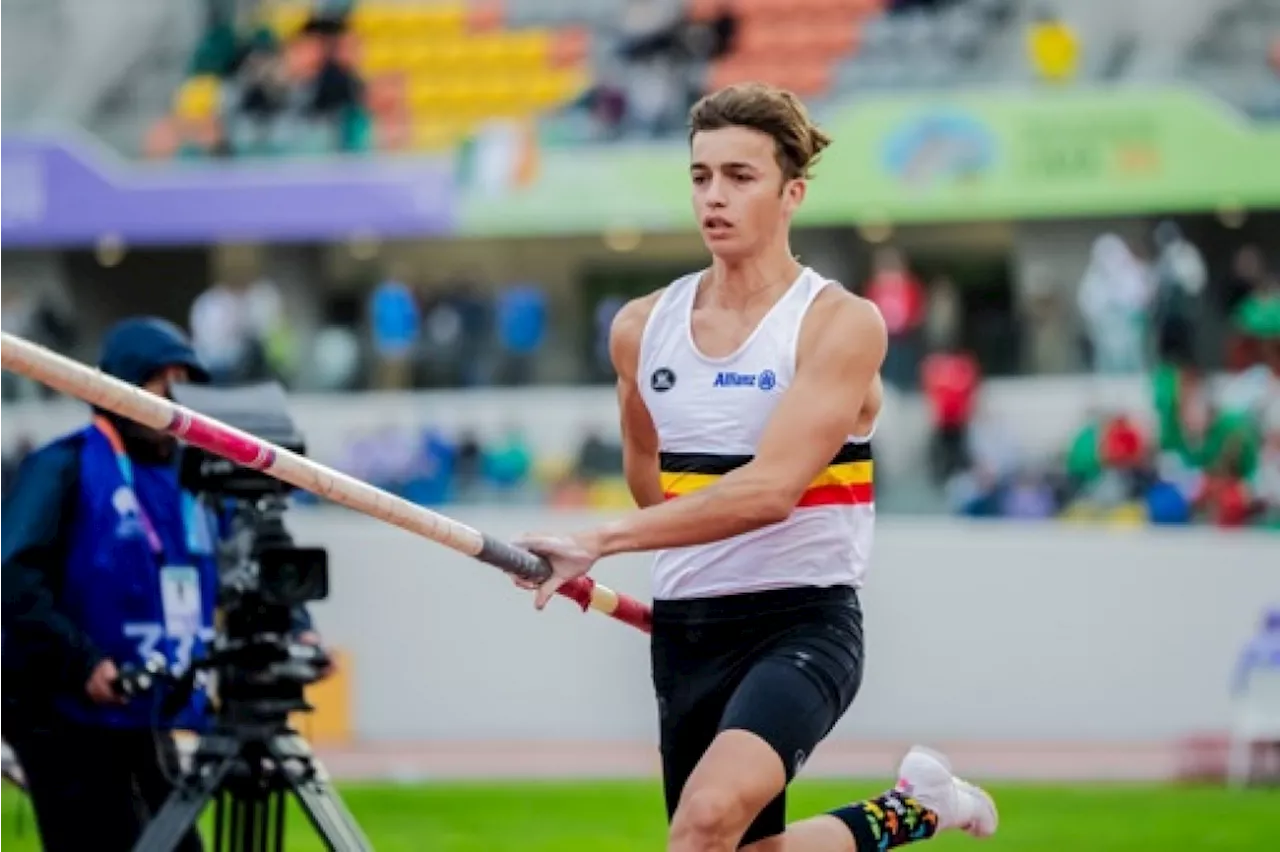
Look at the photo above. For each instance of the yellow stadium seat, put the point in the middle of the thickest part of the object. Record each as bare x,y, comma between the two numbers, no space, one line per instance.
286,19
502,96
528,49
485,51
376,20
569,83
382,55
419,57
197,97
454,55
427,95
435,20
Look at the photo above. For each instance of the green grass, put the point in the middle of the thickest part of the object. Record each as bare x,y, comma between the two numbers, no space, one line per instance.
623,816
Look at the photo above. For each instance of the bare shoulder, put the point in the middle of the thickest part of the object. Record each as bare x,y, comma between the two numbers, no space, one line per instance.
628,328
843,325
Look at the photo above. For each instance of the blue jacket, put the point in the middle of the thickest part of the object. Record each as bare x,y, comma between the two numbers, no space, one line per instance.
94,569
108,568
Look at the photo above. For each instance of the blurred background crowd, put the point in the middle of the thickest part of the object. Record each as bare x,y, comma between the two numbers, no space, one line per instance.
1165,328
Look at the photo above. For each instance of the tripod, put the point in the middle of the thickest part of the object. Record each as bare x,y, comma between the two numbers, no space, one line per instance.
248,764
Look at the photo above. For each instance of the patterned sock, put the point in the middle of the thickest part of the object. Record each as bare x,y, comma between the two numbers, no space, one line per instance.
887,822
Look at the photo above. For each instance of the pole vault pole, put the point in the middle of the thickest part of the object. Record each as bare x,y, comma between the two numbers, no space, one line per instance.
107,392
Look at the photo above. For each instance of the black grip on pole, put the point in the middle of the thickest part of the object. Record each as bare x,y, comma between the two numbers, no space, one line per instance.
514,560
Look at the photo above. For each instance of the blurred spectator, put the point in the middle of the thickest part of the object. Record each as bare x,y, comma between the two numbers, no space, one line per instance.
1260,654
396,325
1180,278
262,99
598,458
950,380
1110,466
17,316
994,459
1248,268
456,343
334,361
601,366
943,315
522,323
1266,482
249,94
432,470
654,66
1053,46
1256,324
508,461
335,95
1113,299
468,463
238,328
1028,497
901,299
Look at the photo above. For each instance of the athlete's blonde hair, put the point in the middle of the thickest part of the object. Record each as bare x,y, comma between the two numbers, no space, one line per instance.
770,110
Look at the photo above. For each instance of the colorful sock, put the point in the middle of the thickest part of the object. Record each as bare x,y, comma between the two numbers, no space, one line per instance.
889,821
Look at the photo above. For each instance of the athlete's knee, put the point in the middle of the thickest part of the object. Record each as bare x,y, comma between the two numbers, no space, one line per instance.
706,819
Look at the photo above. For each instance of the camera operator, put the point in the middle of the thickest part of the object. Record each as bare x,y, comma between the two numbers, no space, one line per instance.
107,562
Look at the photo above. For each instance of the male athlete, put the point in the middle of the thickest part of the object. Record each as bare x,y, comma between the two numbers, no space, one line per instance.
749,393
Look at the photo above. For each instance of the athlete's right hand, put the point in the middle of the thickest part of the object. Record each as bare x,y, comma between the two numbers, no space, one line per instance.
571,556
100,684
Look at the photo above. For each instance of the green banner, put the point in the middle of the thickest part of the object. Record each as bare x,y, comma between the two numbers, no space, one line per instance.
961,157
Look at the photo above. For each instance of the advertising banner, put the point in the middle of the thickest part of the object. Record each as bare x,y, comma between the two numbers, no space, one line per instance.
965,156
924,158
70,191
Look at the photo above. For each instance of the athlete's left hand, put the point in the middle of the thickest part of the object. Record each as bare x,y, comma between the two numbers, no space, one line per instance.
571,556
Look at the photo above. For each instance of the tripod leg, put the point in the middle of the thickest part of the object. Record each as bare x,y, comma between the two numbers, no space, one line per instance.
182,809
310,783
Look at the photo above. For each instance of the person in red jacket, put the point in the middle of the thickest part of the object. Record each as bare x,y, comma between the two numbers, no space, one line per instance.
950,379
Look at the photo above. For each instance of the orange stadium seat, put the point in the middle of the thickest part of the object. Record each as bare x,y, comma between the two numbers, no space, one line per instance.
569,46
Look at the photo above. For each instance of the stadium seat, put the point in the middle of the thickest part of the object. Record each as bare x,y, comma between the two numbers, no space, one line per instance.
286,19
198,97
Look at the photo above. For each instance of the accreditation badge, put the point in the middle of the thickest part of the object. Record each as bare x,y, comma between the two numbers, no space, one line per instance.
180,594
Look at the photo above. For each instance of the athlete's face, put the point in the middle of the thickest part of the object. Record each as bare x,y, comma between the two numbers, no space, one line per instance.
740,197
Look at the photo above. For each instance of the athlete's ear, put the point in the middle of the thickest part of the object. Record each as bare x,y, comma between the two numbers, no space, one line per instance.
793,193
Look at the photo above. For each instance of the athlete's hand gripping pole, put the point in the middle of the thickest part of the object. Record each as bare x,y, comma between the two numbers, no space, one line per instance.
97,388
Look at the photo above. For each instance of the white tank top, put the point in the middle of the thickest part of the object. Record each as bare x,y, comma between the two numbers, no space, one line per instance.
710,414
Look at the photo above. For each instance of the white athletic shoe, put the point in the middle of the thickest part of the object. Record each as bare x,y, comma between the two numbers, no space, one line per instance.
926,776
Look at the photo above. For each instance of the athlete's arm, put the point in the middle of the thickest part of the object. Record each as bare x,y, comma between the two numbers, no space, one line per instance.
843,342
639,437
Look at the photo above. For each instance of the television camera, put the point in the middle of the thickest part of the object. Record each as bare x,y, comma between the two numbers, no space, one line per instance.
250,757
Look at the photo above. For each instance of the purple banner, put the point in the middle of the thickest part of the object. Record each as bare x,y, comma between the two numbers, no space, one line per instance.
63,193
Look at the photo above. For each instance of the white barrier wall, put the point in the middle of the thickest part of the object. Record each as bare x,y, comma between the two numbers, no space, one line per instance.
975,631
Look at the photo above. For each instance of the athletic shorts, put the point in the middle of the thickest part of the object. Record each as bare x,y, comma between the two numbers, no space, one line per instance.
784,665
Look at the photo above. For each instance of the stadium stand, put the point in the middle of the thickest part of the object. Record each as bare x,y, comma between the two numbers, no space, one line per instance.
433,72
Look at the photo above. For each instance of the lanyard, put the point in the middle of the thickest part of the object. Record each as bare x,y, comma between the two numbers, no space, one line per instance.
108,431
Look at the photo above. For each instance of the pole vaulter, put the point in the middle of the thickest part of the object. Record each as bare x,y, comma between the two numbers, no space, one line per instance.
97,388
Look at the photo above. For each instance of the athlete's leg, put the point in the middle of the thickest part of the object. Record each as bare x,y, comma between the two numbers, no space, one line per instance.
736,779
927,799
794,692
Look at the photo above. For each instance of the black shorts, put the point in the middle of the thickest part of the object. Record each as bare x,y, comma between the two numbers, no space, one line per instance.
784,665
